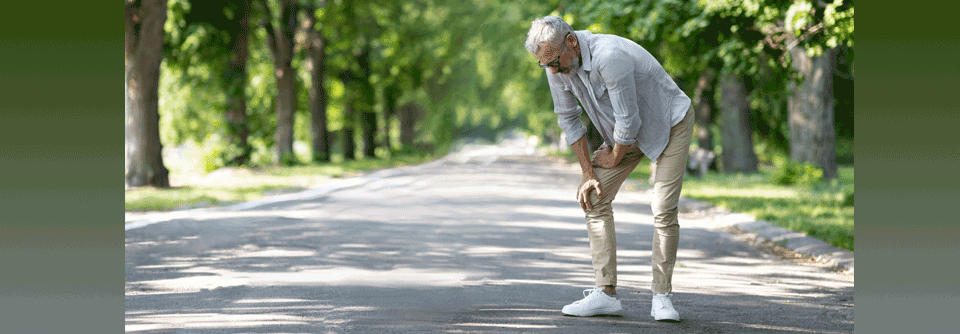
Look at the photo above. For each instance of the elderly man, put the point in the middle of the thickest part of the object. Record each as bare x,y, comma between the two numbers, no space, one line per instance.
639,111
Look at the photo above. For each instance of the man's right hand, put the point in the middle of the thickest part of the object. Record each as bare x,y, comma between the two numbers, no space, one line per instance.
583,194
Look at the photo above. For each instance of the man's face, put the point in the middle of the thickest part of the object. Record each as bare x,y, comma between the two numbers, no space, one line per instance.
568,61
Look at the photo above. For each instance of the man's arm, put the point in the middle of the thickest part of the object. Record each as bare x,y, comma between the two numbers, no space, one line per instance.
618,77
607,158
590,181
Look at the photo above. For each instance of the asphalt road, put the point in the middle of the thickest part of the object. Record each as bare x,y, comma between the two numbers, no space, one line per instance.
490,240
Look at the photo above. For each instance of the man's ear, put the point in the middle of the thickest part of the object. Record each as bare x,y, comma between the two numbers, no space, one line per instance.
572,41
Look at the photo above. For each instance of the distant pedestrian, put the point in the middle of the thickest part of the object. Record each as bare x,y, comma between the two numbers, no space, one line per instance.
639,111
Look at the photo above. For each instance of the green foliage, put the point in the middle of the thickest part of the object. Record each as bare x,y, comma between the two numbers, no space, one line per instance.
465,63
790,173
289,159
848,198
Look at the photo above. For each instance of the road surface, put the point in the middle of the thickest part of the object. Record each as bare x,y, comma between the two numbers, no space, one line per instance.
489,240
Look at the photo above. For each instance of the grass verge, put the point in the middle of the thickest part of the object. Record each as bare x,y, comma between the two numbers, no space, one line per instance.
239,184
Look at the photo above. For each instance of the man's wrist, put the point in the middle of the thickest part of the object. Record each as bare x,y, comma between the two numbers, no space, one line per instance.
619,151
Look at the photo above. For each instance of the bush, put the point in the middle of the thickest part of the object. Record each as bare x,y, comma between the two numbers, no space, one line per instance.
797,173
848,199
212,151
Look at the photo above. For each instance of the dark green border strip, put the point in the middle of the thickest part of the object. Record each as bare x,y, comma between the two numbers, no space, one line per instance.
61,157
907,157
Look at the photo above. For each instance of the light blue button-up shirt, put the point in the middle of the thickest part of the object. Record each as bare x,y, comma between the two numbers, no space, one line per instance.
625,91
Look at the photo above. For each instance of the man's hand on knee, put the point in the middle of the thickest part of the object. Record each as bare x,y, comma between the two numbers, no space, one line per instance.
583,194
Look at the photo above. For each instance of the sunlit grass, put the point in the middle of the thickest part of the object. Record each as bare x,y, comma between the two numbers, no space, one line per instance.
818,210
152,199
250,183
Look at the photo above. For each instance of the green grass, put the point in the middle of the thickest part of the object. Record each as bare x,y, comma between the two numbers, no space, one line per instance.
824,211
239,184
153,199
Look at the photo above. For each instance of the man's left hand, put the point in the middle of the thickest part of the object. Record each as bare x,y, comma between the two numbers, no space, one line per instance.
604,157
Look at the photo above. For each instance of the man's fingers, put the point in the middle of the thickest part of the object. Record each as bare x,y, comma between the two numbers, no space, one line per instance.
585,193
580,199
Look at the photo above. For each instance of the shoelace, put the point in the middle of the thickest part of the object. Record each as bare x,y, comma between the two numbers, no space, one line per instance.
665,300
587,293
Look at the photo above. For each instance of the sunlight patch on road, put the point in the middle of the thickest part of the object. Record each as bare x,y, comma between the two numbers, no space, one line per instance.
212,278
544,224
268,252
471,324
213,320
271,300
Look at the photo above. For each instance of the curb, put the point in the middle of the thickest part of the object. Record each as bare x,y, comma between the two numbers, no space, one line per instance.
799,242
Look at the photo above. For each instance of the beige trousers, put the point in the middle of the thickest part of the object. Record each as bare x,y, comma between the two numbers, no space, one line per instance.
668,171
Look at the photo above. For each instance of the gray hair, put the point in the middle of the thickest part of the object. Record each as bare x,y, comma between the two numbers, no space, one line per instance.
546,30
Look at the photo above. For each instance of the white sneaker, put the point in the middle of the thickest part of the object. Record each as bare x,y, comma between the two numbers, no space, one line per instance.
595,302
662,309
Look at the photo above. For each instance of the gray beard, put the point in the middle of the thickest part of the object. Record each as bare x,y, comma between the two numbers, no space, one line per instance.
572,70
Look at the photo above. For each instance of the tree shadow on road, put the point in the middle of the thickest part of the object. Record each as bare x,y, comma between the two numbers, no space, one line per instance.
460,261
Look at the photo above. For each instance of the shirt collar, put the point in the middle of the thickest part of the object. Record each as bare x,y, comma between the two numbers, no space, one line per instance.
583,37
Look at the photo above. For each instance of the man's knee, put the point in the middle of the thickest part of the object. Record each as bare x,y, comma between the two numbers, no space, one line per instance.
600,210
664,214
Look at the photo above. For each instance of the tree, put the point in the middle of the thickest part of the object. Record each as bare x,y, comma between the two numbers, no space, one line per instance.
737,139
812,33
812,137
208,45
316,64
143,35
236,79
281,42
702,103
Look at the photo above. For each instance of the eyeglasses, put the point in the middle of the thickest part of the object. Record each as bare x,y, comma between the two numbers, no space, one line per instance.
555,63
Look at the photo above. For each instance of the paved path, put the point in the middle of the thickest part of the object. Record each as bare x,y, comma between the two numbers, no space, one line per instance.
473,243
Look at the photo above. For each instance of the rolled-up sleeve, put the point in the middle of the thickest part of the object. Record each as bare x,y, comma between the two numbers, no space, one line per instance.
567,110
617,75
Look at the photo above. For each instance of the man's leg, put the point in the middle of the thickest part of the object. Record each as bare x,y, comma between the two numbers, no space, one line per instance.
669,169
603,238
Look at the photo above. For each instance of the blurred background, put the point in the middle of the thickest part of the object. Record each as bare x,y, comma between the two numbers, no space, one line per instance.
228,100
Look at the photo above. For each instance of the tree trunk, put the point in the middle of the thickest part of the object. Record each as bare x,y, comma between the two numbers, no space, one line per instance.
237,128
143,33
286,81
703,107
390,95
409,113
737,137
349,145
316,57
369,123
368,117
812,137
702,96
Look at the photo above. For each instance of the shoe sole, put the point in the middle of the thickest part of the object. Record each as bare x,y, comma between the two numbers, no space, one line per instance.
609,310
664,319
